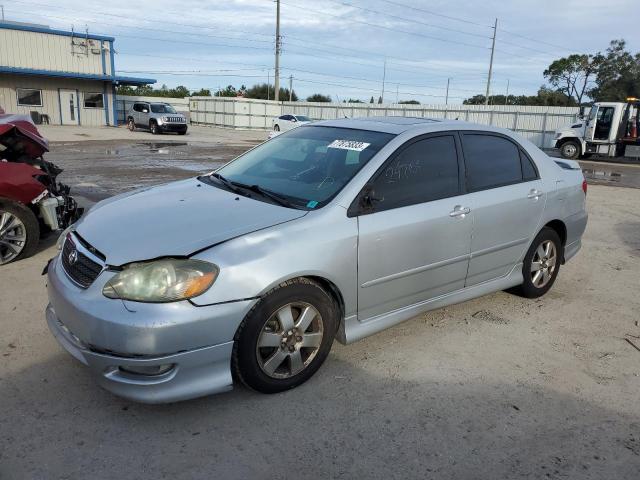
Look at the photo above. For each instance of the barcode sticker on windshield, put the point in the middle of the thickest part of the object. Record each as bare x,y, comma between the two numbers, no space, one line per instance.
348,145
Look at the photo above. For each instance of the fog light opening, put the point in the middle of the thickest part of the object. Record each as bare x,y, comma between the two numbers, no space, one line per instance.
148,370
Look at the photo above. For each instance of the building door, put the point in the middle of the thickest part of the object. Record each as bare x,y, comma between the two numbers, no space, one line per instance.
69,107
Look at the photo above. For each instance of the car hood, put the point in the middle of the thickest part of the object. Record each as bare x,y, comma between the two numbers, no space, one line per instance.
175,219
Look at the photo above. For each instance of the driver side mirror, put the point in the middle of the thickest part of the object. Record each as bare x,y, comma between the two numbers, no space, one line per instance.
294,119
365,202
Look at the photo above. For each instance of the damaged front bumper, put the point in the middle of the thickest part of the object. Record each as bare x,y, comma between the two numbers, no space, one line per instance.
150,353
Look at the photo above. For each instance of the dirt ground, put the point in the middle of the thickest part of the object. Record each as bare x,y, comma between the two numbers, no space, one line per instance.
498,387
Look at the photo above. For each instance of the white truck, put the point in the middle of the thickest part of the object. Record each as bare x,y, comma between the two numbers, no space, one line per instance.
610,129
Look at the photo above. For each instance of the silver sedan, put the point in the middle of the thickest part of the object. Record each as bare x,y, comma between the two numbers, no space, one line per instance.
334,230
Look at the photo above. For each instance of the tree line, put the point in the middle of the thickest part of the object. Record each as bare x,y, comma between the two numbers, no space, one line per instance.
579,79
573,80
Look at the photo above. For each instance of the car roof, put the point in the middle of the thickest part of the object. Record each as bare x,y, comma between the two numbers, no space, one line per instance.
395,125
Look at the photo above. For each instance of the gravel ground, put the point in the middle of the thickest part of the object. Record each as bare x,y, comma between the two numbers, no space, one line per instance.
498,387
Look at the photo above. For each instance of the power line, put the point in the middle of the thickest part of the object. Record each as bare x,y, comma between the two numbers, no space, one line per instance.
430,12
430,25
407,32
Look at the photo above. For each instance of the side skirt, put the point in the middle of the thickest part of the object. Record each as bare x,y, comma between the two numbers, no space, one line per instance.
351,329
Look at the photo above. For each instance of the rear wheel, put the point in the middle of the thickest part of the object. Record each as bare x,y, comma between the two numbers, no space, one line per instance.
285,337
541,264
131,124
19,232
570,149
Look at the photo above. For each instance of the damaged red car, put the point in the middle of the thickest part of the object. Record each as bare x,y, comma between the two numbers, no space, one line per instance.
32,202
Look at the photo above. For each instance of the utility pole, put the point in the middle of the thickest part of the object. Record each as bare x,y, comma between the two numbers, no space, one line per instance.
506,98
397,88
384,77
268,82
493,47
290,87
276,94
446,98
2,8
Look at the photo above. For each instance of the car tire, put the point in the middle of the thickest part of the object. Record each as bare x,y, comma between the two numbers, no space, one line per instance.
27,226
153,126
276,128
285,337
541,264
570,149
131,125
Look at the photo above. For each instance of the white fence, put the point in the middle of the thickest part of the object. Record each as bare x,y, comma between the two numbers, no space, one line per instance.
124,102
537,124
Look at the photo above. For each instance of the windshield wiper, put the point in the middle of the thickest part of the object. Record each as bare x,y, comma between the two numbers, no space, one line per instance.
238,188
227,183
267,193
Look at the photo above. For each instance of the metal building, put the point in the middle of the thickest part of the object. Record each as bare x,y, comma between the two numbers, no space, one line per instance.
59,77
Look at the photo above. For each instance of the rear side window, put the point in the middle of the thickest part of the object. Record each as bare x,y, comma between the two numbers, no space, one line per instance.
491,161
426,170
528,169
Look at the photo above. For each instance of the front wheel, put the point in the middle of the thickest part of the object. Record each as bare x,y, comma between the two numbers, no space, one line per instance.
285,337
276,128
153,126
541,264
19,232
570,149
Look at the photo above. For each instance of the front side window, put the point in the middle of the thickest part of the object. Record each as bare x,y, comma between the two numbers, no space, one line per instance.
162,108
307,165
426,170
93,100
491,161
29,97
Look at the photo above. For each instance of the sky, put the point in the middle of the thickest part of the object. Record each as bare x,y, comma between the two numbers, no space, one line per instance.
340,47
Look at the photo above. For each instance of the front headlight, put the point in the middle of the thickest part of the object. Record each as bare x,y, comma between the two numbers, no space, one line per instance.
166,280
165,119
63,236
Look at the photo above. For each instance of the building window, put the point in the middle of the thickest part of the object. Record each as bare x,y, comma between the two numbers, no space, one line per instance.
29,97
93,100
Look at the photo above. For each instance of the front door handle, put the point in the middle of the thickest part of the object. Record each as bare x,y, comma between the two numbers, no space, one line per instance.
459,211
534,194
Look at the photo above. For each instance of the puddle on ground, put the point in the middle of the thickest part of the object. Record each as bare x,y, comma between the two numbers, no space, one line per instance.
602,175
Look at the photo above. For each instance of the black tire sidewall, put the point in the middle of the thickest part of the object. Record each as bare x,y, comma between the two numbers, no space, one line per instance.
153,126
244,358
276,128
528,289
131,125
575,144
28,218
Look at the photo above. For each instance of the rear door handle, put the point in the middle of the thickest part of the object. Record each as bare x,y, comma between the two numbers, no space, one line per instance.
534,194
459,211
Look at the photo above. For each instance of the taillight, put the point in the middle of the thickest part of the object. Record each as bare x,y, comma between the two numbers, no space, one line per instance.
584,186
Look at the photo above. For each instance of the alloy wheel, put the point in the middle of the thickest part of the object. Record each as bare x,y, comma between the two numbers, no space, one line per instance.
543,264
13,236
289,341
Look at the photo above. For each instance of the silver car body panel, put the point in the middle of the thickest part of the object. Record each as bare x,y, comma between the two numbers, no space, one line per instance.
383,268
175,219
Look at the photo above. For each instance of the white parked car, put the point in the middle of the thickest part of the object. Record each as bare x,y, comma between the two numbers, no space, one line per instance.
287,122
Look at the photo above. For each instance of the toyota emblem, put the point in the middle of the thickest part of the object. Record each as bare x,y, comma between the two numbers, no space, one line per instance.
73,257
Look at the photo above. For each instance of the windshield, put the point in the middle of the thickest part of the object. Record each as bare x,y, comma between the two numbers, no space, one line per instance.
302,118
308,165
161,108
